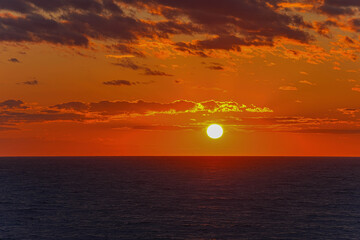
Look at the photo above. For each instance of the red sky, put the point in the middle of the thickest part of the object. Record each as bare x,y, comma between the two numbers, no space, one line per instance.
121,77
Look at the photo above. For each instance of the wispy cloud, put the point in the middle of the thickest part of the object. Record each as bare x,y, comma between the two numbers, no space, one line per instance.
30,82
127,63
288,88
125,83
120,56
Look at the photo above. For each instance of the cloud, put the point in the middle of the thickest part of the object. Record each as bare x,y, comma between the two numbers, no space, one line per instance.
31,82
252,19
76,106
121,114
328,131
37,28
21,117
120,56
77,22
131,114
13,104
29,6
335,11
13,60
231,24
339,7
142,107
128,63
127,50
163,127
307,82
356,88
6,128
119,83
349,111
288,88
125,83
150,72
214,66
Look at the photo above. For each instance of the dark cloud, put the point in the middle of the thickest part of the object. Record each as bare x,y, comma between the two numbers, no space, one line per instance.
226,42
125,107
13,60
16,5
125,83
28,6
75,22
235,23
13,112
343,3
214,66
339,7
323,27
119,83
76,106
31,82
139,107
118,27
13,104
164,128
334,11
142,107
127,63
37,28
7,128
355,24
125,49
150,72
17,117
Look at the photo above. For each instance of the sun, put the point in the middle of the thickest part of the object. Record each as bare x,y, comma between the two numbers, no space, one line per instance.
214,131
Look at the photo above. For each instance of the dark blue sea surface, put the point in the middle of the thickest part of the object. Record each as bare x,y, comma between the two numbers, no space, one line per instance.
179,198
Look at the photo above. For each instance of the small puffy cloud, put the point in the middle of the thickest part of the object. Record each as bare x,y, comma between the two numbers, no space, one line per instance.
14,60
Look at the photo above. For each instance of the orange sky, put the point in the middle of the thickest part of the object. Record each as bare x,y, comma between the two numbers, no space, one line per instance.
120,77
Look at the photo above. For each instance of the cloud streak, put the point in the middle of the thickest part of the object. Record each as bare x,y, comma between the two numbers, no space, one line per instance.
125,83
128,63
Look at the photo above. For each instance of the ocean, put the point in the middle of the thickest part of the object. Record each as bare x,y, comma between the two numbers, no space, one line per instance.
179,198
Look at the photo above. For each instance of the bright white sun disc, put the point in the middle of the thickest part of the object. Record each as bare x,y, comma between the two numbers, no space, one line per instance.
214,131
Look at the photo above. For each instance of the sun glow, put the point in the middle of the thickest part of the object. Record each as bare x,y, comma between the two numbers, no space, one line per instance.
214,131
